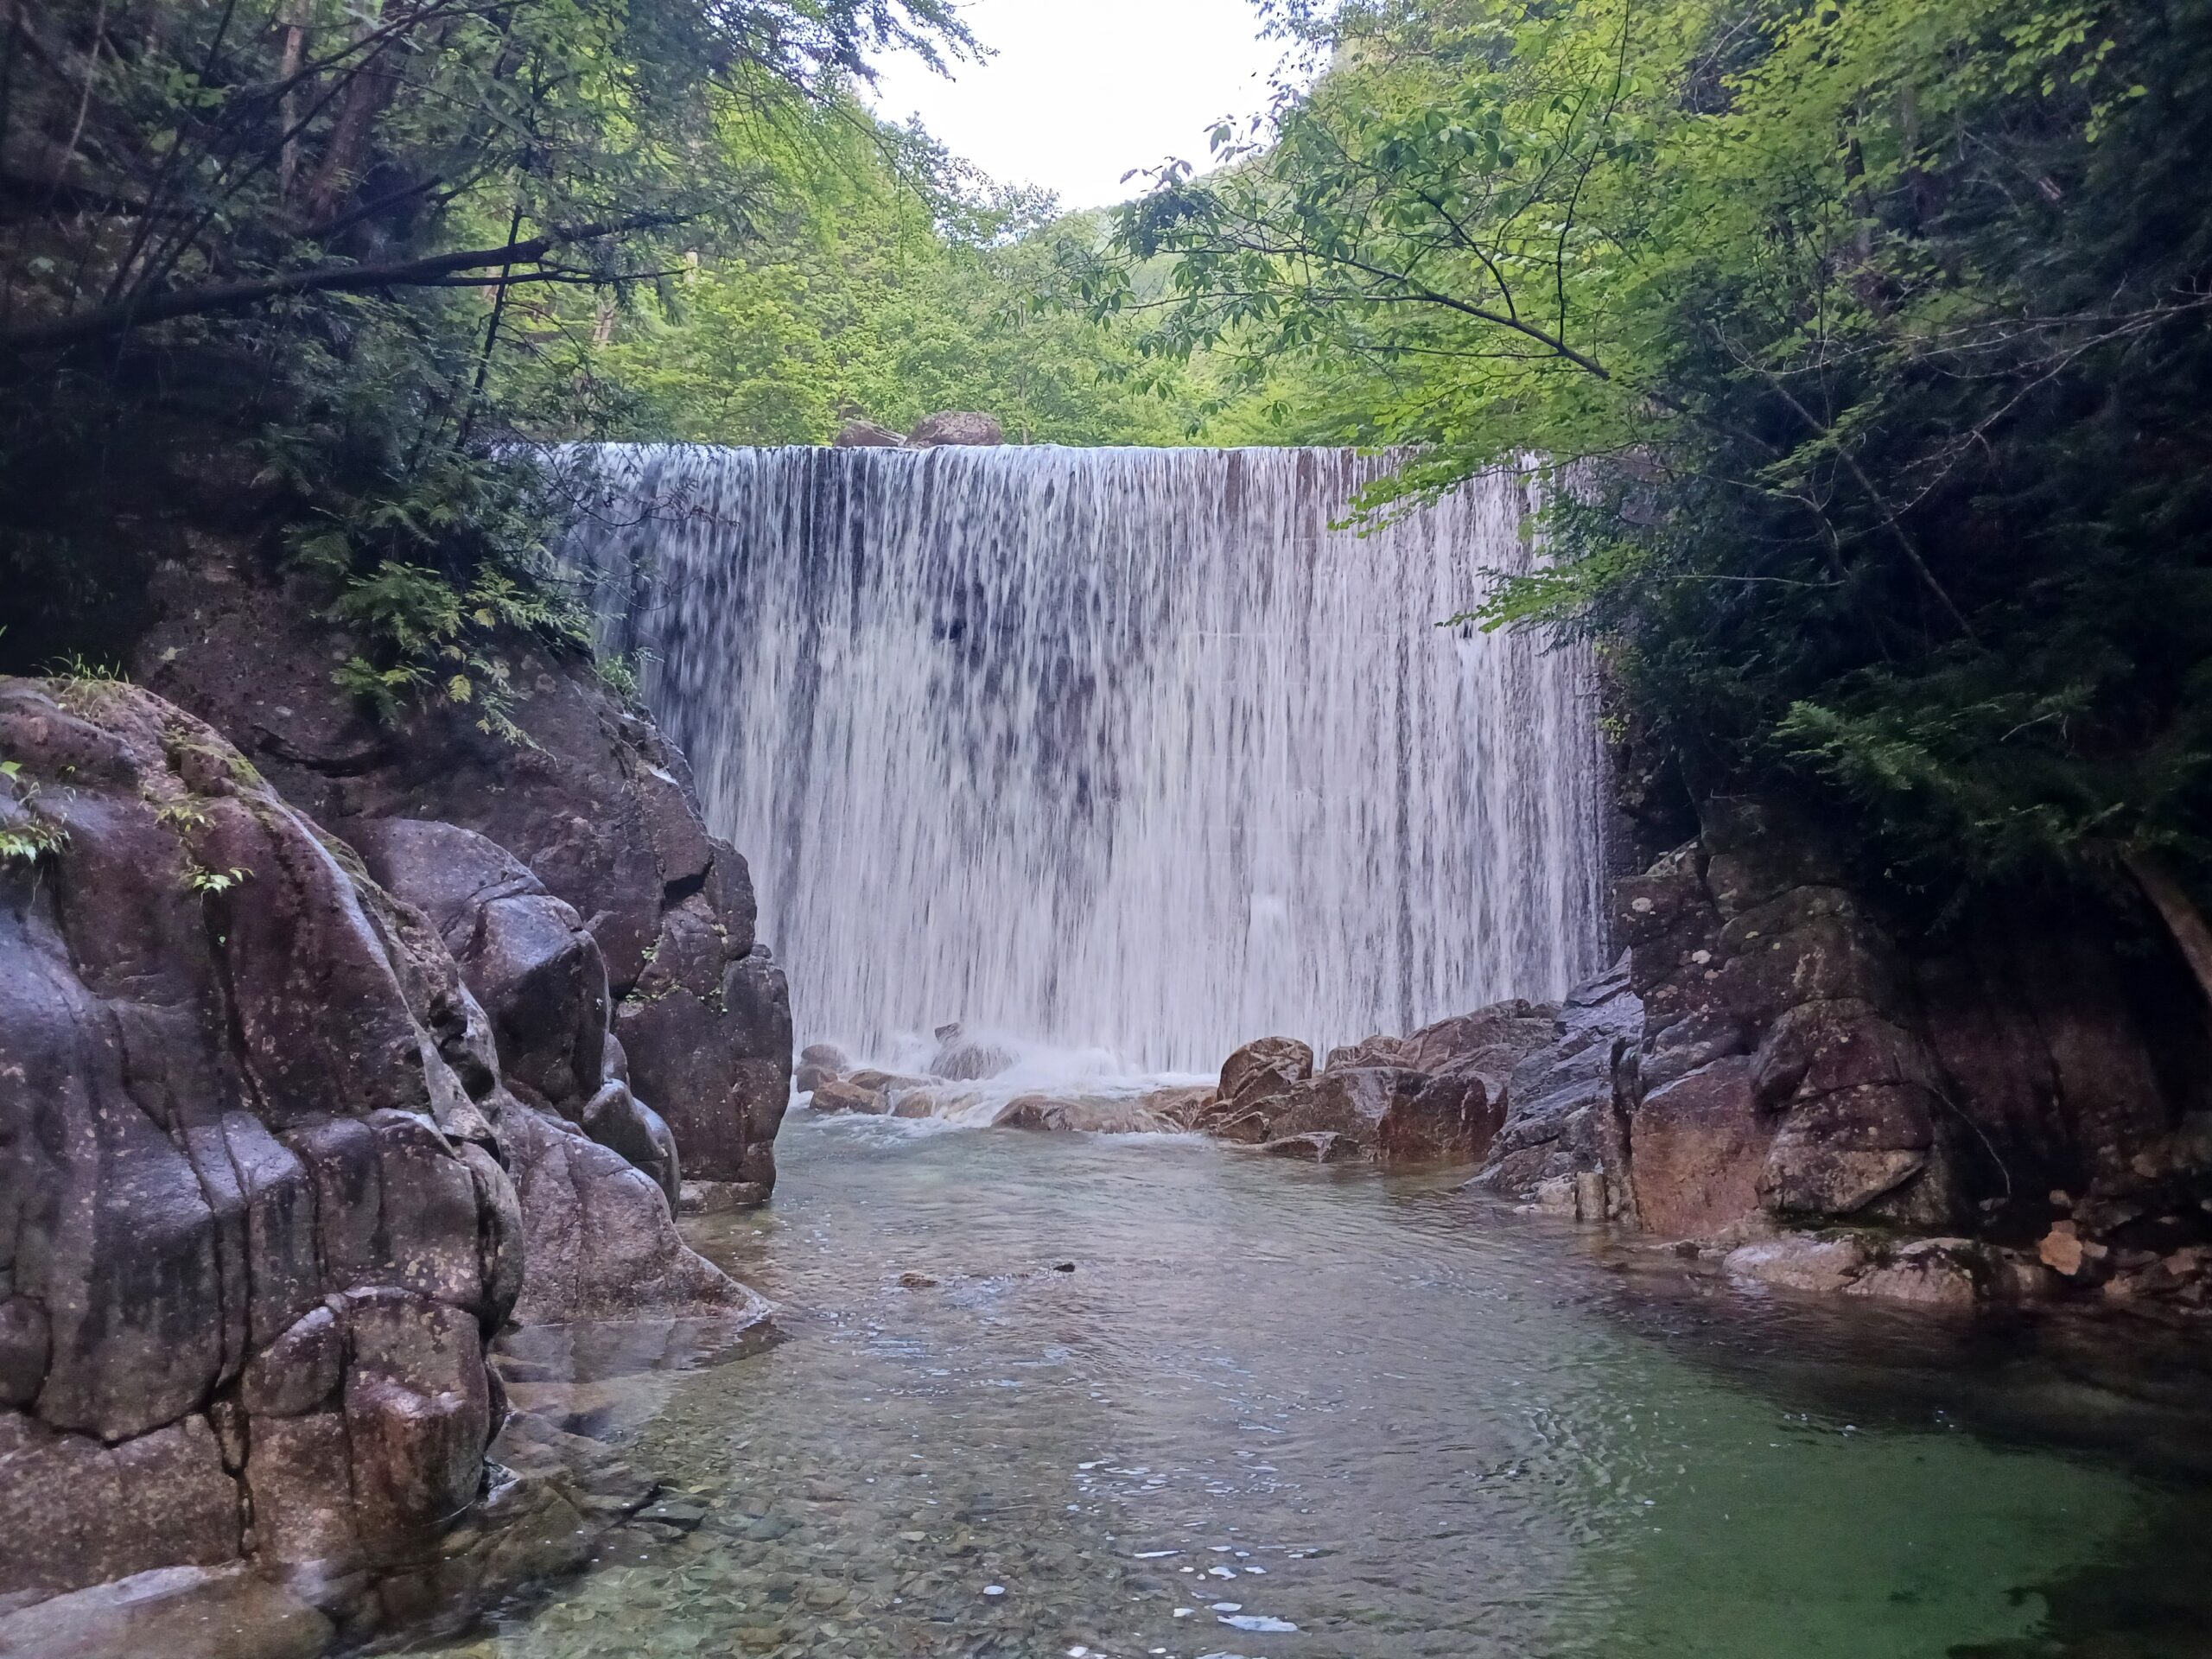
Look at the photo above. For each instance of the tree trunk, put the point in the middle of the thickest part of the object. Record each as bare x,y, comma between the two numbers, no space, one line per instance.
2183,918
296,46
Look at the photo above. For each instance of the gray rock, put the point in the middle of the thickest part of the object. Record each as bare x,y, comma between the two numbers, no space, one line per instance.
178,1613
858,434
955,427
1564,1097
627,1126
600,809
600,1236
221,1107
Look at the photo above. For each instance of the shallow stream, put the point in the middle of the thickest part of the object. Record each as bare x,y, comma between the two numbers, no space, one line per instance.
1287,1412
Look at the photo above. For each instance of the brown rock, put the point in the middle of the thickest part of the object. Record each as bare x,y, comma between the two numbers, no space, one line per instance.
1318,1147
1354,1104
1269,1065
1496,1039
1181,1106
1447,1119
1082,1114
842,1095
2061,1249
1698,1146
1368,1052
1841,1154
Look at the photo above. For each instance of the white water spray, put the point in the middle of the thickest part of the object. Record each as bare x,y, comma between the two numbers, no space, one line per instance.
1112,749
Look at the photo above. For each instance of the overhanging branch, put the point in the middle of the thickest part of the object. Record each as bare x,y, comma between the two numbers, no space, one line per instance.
433,271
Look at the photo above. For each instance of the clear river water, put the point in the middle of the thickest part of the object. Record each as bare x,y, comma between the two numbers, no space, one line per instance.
1285,1412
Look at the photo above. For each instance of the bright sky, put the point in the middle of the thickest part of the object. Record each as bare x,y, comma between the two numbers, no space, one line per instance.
1083,90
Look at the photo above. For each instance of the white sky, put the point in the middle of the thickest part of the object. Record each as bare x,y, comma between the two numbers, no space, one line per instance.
1083,90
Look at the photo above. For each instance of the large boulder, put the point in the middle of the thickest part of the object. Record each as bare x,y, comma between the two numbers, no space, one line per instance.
1253,1080
254,1214
819,1063
1270,1064
531,962
957,427
1775,1049
597,806
1437,1097
259,1193
1449,1119
860,434
600,1235
1566,1117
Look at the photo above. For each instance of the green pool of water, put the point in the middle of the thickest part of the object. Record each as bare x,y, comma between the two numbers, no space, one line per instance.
1287,1412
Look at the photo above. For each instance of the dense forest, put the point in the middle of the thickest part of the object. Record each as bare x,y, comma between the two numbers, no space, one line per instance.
1864,344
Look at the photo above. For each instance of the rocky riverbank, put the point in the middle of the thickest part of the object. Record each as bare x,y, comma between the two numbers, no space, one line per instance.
329,1052
1776,1074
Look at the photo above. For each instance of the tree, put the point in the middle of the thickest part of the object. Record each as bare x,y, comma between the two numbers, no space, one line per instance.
299,229
1865,343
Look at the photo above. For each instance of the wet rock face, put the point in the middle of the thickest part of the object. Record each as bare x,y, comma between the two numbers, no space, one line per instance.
601,811
1563,1116
1767,1054
536,968
596,1170
264,1191
255,1217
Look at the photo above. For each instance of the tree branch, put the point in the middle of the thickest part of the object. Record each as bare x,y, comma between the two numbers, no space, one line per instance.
430,272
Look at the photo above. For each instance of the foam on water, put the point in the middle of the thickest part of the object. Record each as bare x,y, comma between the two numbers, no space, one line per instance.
1116,750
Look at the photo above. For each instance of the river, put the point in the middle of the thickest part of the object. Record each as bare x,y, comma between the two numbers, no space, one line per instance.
1153,1396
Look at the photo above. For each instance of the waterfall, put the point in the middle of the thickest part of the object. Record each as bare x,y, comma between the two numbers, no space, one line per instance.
1126,749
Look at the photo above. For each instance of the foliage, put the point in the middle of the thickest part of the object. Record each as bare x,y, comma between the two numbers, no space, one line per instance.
1865,343
25,836
212,884
888,279
299,229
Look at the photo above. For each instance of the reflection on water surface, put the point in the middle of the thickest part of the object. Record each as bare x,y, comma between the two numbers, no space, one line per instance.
1287,1412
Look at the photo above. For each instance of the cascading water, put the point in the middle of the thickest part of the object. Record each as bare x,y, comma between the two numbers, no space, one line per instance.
1125,749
